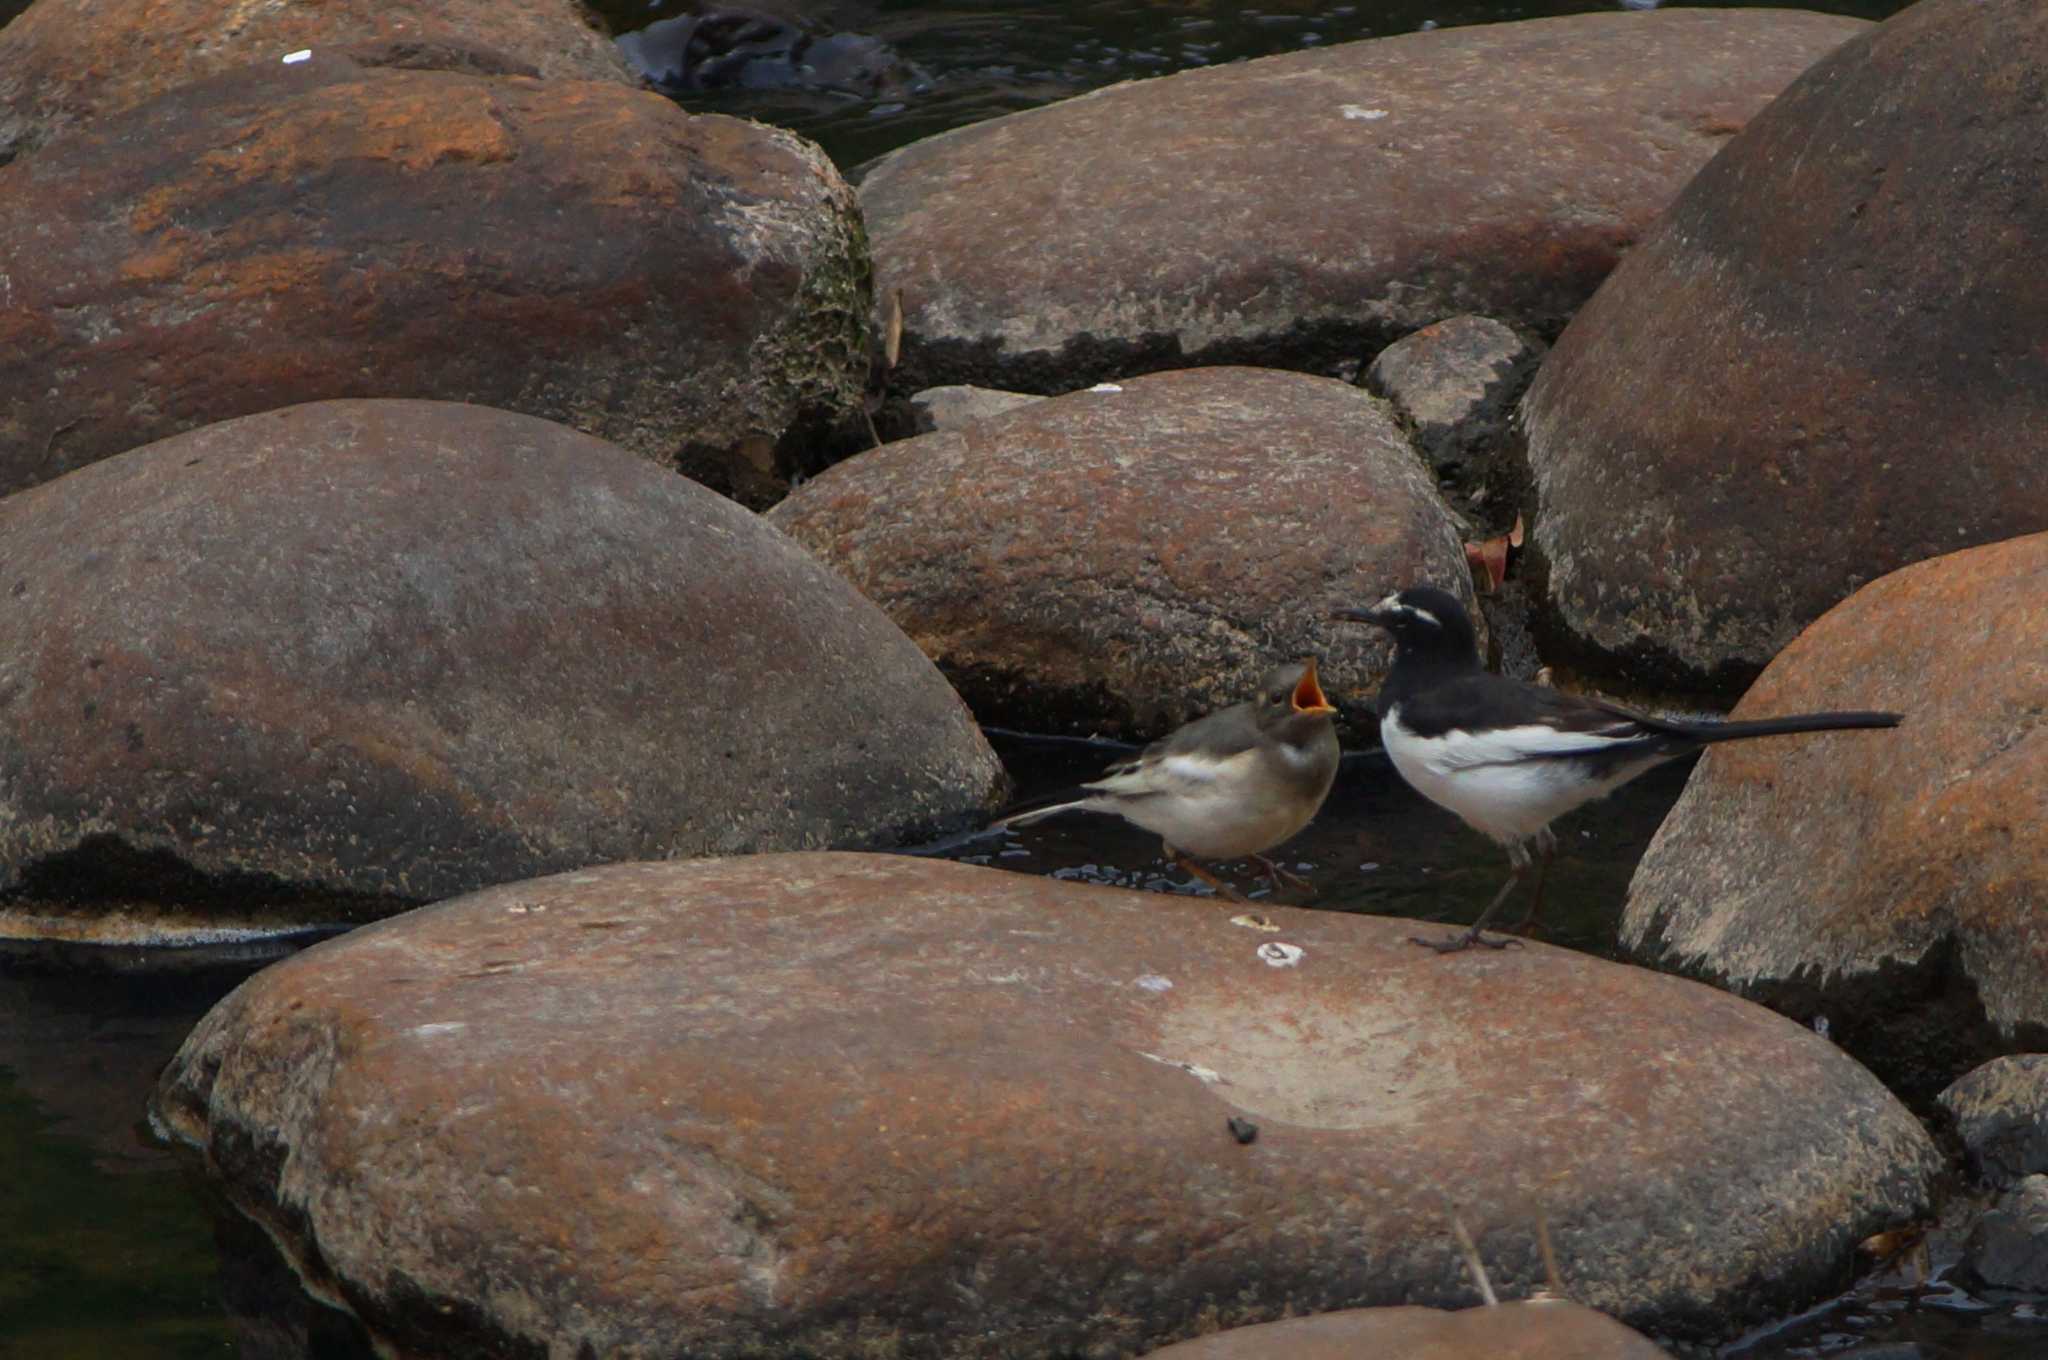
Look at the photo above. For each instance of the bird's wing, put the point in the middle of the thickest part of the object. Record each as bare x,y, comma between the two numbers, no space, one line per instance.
1189,759
1522,722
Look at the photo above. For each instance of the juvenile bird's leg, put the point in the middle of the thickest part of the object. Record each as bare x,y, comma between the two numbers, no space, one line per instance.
1546,849
1518,865
1276,875
1175,857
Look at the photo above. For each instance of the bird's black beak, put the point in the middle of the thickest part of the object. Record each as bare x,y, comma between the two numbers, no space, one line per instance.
1371,616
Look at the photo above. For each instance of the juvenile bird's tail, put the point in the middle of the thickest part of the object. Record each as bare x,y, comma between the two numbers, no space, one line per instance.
1708,732
1036,814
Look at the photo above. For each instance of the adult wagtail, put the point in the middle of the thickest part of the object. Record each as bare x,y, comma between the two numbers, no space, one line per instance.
1509,757
1228,786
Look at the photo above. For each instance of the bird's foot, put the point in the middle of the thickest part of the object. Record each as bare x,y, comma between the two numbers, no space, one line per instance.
1196,871
1464,940
1278,876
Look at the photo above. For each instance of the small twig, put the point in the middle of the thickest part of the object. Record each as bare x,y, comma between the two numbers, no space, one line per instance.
1472,1261
1553,1278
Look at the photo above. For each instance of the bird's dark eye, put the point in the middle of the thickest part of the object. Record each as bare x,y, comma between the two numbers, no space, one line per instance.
1277,697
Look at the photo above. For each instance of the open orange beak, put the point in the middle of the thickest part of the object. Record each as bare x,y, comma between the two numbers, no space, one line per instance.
1308,695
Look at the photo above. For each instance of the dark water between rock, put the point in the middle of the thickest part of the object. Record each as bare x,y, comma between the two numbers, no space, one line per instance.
110,1251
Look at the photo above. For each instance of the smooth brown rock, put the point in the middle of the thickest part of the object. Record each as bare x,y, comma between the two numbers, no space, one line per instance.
65,62
1125,560
1890,881
691,288
1824,363
1302,211
387,651
842,1105
1512,1331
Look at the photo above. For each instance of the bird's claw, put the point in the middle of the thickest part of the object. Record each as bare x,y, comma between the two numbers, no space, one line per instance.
1278,877
1464,940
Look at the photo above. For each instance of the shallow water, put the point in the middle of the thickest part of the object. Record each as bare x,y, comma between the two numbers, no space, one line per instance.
111,1251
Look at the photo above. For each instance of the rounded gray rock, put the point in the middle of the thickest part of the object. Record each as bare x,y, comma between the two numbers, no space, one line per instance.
1302,210
1125,559
694,289
66,62
2001,1114
841,1105
379,652
1824,363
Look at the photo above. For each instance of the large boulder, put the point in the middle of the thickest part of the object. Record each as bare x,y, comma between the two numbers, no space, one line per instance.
1890,882
1124,560
692,288
63,62
1301,211
1824,363
358,655
846,1105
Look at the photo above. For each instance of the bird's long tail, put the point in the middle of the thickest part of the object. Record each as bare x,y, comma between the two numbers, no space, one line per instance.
1708,732
1037,814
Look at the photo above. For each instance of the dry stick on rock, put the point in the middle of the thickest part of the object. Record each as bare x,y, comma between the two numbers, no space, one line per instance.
1553,1278
1472,1261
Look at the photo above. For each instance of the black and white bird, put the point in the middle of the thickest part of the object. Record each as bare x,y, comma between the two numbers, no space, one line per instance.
1509,757
1228,786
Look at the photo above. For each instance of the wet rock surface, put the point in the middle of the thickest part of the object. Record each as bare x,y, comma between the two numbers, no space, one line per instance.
1454,386
1514,1331
1125,560
67,62
355,655
2001,1114
1890,881
729,47
691,288
817,1103
1783,393
1300,210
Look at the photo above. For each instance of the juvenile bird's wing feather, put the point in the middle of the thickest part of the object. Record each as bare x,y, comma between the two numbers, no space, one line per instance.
1186,759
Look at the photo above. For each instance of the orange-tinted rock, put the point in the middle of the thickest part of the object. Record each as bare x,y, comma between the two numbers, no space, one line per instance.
1890,881
1823,364
842,1105
687,287
1512,1331
65,62
1126,560
387,651
1301,211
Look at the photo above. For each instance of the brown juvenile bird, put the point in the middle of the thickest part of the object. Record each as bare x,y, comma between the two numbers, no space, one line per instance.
1228,786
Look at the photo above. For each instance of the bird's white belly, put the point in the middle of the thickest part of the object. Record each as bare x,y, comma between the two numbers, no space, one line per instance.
1216,827
1508,801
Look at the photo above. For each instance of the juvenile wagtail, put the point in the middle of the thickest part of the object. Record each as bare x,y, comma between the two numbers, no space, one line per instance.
1228,786
1509,757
